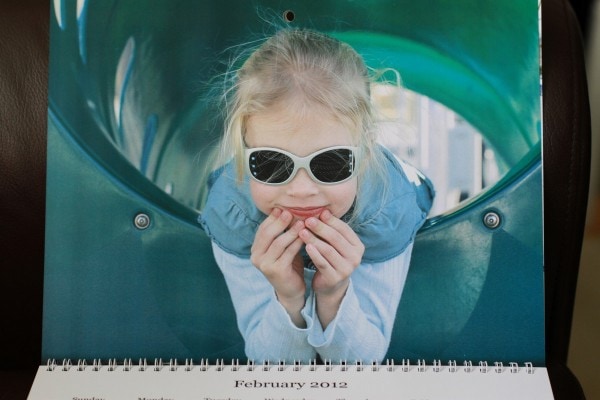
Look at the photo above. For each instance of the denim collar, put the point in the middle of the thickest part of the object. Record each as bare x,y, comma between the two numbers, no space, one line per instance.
386,224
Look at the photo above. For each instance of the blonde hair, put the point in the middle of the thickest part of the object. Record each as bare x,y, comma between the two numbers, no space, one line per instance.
300,65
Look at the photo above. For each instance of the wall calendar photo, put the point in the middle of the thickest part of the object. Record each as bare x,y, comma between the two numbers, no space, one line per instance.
276,199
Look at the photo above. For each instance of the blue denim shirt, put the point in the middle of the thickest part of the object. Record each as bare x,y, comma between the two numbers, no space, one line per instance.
386,224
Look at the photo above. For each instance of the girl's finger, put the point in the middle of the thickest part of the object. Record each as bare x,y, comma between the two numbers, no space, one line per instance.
340,226
326,256
338,234
320,262
282,242
287,257
330,276
270,229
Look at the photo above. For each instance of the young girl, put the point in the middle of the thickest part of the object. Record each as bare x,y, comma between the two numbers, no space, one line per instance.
312,222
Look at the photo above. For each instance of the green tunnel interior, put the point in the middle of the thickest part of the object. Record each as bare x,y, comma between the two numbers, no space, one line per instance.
133,126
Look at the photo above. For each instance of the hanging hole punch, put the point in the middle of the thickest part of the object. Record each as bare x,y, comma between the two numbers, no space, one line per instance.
289,16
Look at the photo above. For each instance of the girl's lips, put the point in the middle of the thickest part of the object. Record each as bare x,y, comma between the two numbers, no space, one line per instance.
306,212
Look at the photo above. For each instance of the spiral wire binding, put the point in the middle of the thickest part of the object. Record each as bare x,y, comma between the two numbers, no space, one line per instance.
405,365
390,364
359,365
452,366
468,365
343,365
483,367
328,365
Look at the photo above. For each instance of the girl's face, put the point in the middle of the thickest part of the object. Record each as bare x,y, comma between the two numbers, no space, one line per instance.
285,129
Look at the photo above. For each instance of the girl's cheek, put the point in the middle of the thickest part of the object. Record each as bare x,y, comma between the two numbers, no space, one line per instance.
262,197
344,198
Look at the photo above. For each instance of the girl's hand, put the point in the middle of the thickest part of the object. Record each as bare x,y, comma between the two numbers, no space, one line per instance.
276,253
336,251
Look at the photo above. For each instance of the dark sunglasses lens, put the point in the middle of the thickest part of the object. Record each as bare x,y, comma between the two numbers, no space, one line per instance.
333,166
270,166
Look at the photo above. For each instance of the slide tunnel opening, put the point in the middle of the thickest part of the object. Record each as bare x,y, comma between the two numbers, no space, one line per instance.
151,102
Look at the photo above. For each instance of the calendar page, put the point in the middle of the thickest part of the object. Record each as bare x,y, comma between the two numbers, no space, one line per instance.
294,382
353,187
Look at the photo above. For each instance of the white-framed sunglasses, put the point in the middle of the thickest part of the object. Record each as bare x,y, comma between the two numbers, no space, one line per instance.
329,166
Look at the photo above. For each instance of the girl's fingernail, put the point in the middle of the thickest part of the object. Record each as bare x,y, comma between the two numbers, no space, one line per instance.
311,222
325,215
276,212
286,215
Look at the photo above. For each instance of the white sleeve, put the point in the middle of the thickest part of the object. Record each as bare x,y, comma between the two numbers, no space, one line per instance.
362,328
266,327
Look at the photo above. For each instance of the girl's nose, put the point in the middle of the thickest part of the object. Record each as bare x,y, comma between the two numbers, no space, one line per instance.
302,185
